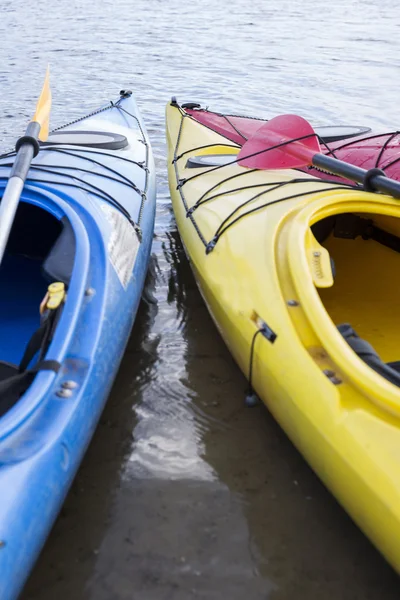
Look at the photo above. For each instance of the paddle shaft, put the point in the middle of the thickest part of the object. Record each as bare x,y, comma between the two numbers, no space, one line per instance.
27,148
344,169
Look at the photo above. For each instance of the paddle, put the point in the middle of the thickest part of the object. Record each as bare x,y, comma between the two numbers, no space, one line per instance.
289,142
27,148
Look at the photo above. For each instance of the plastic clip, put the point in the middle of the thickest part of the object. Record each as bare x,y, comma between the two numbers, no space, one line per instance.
54,297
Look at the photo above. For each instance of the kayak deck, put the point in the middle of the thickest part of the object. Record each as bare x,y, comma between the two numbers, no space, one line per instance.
356,146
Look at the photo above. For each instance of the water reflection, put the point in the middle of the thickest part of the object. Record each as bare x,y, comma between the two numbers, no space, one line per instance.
167,443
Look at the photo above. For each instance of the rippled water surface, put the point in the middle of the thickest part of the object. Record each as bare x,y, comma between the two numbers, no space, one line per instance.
185,493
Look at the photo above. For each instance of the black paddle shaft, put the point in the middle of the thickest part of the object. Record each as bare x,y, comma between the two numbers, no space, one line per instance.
373,180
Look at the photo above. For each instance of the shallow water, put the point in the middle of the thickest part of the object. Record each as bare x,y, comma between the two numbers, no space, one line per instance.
184,492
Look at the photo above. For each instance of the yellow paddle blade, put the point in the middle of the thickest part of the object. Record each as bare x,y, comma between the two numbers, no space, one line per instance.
42,114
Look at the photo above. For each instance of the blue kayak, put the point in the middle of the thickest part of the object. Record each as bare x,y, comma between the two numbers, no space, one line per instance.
71,282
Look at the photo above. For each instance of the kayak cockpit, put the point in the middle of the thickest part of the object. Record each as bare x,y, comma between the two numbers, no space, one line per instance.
364,298
40,251
366,255
353,317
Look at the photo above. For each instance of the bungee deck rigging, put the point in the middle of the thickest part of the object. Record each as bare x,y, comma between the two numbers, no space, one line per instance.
79,152
204,197
389,142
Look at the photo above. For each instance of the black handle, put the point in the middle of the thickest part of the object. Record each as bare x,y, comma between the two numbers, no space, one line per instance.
27,147
373,180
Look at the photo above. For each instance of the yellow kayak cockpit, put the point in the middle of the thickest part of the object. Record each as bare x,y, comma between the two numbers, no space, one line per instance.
342,266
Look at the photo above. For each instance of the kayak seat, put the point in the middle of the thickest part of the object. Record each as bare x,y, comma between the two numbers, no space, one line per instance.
59,262
9,371
363,349
322,229
15,379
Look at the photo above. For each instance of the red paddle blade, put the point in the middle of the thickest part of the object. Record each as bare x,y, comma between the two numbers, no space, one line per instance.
261,151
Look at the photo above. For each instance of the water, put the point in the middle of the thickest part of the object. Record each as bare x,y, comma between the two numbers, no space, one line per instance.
185,493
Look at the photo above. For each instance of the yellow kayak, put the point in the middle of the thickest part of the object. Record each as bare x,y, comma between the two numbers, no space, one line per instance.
300,277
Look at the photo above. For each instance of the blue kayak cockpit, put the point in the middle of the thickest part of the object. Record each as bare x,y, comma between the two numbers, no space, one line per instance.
40,251
49,243
81,179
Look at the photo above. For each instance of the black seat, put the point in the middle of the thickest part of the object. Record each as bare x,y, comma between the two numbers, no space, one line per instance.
60,260
15,379
363,349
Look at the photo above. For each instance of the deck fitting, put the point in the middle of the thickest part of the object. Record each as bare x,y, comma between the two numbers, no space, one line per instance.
63,393
293,303
69,384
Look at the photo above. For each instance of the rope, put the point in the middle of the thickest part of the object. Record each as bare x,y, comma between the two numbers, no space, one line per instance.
178,139
221,230
271,186
251,397
79,153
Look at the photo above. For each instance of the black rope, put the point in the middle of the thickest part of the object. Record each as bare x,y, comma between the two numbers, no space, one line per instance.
369,137
181,182
146,185
202,238
77,153
331,151
257,185
235,128
235,116
250,391
385,145
226,117
222,181
91,114
81,150
54,169
211,245
99,193
391,163
221,230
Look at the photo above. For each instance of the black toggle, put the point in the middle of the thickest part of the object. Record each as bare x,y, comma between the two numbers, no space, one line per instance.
267,332
191,105
370,175
211,245
28,139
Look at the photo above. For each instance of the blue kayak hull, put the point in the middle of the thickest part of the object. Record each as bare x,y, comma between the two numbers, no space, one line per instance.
44,436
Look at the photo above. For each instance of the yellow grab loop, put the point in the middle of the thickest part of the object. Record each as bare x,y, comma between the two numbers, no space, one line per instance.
42,114
54,297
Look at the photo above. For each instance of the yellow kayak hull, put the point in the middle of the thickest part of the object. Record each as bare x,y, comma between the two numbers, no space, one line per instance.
262,271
